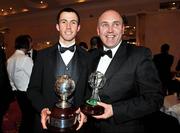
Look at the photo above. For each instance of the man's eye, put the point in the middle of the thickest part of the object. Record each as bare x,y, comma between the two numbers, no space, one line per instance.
74,22
117,24
62,21
104,25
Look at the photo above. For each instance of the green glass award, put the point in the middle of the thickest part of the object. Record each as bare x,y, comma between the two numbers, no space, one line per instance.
96,81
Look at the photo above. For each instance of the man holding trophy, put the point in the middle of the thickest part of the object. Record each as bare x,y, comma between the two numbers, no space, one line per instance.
59,79
132,88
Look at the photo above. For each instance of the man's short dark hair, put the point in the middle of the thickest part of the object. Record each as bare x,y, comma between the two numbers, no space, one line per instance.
95,41
22,42
67,10
165,48
29,37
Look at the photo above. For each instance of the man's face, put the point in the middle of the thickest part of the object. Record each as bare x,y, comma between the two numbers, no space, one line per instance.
68,27
110,28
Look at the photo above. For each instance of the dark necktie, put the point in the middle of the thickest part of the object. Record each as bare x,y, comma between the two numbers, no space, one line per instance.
63,49
108,53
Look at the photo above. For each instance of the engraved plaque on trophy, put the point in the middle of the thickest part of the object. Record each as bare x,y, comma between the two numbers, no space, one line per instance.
63,117
96,81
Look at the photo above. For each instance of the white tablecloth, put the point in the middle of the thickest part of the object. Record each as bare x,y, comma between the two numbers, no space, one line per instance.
172,106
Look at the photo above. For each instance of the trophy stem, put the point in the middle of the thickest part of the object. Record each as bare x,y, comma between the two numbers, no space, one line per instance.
63,104
95,94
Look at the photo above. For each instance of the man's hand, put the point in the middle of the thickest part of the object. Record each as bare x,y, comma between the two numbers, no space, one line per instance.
108,111
81,119
44,117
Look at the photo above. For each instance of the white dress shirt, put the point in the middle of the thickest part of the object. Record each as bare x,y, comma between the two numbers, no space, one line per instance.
30,53
19,67
67,55
106,60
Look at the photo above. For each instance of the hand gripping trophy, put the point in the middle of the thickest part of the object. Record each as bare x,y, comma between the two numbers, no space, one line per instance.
63,116
96,81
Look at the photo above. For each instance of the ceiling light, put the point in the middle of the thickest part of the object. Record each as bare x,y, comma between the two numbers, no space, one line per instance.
25,10
170,5
80,1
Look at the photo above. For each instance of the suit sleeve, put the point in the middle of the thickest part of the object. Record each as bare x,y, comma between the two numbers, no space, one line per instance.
34,91
148,96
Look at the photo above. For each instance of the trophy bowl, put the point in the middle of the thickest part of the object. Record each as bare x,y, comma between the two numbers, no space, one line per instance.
96,81
63,117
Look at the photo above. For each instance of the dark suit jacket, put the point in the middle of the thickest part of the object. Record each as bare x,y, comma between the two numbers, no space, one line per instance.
6,95
163,62
42,81
34,54
132,88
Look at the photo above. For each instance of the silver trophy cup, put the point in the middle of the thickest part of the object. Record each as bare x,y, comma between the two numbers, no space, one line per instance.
63,116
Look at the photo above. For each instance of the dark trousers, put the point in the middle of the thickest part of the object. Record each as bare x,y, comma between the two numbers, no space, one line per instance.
27,112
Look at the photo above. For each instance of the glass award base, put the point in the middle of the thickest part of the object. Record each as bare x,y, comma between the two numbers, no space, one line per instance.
91,108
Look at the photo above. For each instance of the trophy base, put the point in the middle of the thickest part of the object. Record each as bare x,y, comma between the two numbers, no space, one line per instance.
92,110
52,129
63,120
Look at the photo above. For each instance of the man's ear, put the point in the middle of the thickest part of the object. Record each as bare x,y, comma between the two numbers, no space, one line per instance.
78,29
123,28
97,31
57,27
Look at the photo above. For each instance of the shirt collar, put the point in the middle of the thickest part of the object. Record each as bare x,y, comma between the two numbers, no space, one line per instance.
114,49
20,51
63,45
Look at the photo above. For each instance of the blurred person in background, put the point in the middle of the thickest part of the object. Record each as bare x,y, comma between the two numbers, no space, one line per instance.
83,45
163,62
31,52
6,95
95,43
19,67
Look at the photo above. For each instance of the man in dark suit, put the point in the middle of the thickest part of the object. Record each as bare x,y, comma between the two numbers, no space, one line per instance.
132,89
32,52
163,62
6,96
95,43
55,61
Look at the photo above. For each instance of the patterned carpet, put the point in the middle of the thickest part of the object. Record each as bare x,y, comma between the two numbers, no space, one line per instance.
12,119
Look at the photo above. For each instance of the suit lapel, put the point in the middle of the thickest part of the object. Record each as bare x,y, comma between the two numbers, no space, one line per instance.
80,68
95,58
117,61
53,60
